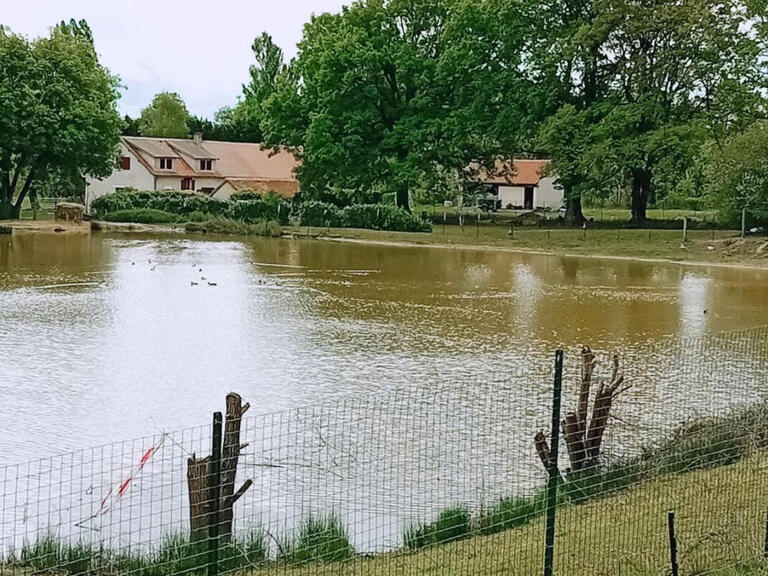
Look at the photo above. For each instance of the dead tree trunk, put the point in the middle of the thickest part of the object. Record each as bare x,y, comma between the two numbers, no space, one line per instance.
584,435
200,481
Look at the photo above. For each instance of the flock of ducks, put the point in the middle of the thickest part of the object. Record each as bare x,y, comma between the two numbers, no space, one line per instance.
191,283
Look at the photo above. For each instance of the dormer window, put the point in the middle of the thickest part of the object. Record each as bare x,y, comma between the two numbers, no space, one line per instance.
166,163
125,163
206,165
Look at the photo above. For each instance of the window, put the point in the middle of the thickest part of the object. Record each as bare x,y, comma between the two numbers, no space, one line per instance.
187,183
207,191
166,163
125,163
206,165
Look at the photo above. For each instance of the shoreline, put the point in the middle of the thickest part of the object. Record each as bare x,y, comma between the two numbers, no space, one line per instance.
534,251
53,227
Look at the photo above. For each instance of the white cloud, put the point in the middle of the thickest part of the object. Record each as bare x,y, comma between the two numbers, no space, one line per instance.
199,49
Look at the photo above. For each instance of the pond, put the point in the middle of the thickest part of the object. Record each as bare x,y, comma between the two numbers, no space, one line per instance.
107,337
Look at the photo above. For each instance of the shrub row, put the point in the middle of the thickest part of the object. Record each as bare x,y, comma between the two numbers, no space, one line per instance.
248,206
370,216
161,207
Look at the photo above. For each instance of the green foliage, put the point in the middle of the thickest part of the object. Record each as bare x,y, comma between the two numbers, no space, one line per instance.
382,217
318,538
180,203
165,117
317,213
222,225
58,111
252,206
142,216
451,525
737,173
371,216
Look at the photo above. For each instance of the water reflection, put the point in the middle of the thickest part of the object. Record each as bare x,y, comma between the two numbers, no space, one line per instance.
106,337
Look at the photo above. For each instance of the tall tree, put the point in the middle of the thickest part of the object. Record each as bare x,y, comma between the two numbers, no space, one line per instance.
389,93
58,111
165,117
679,69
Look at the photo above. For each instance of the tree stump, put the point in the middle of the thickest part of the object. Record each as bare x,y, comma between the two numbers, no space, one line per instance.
200,482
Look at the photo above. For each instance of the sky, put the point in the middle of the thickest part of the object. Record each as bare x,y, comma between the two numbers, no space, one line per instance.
200,49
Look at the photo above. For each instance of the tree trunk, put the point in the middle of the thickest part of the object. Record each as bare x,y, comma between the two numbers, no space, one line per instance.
402,197
200,481
574,215
200,496
230,454
641,191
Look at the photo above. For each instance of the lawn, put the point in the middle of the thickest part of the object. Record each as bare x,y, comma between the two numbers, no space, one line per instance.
720,519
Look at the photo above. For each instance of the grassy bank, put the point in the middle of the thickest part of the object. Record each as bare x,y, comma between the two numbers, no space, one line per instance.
720,516
724,246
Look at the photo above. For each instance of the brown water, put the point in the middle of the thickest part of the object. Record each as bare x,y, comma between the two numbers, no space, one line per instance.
104,338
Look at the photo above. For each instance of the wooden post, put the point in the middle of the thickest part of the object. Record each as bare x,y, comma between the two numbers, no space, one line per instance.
743,221
685,229
211,480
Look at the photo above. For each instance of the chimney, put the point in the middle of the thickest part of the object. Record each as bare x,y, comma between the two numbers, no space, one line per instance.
198,138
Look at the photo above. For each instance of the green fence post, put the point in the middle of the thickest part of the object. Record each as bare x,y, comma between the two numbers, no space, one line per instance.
213,526
554,473
672,543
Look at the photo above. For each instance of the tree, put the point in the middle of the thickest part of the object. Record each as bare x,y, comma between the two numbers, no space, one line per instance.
58,111
165,117
247,115
389,94
130,126
737,173
677,71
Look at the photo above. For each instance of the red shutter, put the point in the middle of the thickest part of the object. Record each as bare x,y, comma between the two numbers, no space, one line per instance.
125,163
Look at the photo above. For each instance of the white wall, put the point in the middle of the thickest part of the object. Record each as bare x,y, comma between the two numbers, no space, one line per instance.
137,177
548,195
545,195
514,195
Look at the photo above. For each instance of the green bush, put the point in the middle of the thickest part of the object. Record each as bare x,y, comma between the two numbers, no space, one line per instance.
319,538
141,216
510,513
383,217
180,203
255,209
220,225
317,213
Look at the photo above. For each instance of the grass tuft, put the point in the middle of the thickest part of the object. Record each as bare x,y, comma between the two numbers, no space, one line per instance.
320,538
451,525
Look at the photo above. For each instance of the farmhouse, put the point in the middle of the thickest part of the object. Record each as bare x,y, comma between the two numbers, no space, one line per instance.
522,184
215,168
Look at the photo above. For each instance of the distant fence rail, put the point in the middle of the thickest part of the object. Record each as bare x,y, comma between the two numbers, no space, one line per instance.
443,478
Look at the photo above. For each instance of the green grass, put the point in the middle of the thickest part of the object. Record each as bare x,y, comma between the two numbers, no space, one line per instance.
175,554
318,538
451,525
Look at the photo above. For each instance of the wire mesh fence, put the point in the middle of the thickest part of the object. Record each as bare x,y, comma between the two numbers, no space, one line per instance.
446,478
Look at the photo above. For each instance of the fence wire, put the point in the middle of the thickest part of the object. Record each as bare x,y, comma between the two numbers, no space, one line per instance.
441,478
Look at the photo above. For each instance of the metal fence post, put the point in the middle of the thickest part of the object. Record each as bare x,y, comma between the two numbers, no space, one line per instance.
213,527
672,542
554,473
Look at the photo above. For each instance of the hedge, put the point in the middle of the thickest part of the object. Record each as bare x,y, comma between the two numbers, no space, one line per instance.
181,203
256,209
370,216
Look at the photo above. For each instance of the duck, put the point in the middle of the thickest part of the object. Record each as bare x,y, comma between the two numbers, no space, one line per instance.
193,283
212,284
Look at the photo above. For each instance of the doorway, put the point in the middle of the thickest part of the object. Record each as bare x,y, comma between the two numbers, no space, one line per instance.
528,198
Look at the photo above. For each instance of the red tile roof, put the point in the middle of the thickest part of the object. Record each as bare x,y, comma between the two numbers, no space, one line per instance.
516,172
